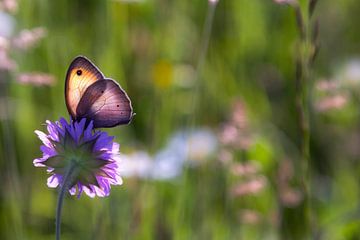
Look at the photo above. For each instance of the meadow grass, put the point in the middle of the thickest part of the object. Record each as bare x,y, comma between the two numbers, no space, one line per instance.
243,91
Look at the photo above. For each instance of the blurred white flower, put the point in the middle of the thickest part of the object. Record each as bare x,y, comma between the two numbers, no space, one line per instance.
184,75
167,165
195,146
7,25
202,144
164,166
137,164
183,147
350,72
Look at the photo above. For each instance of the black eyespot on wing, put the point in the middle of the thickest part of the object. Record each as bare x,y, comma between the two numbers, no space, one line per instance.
79,72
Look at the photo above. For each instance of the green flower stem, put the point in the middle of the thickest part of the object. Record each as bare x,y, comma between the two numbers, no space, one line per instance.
204,45
306,55
64,188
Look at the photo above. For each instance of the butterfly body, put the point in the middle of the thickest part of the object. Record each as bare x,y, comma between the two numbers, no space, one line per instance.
88,94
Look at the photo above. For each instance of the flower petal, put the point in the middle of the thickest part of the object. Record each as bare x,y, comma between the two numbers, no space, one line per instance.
79,129
48,151
72,190
38,162
53,133
89,192
54,181
44,138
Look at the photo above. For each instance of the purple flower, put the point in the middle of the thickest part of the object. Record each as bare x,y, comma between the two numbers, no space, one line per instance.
93,154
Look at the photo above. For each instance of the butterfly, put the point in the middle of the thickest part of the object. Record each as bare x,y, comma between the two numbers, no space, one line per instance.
89,94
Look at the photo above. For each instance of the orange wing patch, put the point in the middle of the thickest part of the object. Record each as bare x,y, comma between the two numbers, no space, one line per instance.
81,74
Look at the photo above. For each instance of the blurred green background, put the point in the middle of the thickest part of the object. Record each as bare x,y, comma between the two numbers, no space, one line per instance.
213,151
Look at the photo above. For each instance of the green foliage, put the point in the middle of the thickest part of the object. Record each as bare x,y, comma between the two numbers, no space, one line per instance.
151,48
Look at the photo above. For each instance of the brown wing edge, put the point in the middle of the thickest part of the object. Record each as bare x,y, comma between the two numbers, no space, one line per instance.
71,66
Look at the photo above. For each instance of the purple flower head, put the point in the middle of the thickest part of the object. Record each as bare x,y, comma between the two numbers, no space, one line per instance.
94,155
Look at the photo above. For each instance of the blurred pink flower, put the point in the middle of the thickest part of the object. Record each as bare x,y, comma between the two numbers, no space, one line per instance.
37,79
10,6
237,133
326,85
232,136
285,1
4,44
289,196
28,38
239,116
6,63
350,73
250,216
285,172
24,40
251,187
241,169
140,41
331,103
225,156
229,135
245,142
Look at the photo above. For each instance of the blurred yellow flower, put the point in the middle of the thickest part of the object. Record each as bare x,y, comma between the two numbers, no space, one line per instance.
162,74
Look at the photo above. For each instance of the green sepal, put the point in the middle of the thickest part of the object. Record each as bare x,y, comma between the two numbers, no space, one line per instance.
88,177
96,163
57,161
68,142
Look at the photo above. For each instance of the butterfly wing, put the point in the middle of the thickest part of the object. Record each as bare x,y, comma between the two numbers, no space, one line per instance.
81,74
106,103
